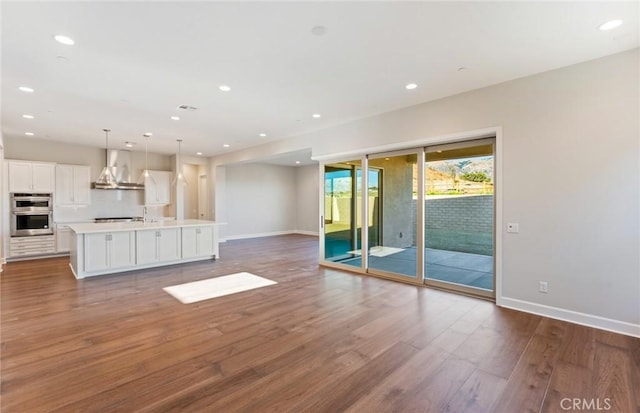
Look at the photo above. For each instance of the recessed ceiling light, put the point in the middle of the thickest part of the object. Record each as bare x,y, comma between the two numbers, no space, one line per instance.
28,116
461,68
226,145
64,39
175,118
25,89
411,86
611,24
29,133
147,134
297,161
199,153
316,115
128,144
263,135
224,88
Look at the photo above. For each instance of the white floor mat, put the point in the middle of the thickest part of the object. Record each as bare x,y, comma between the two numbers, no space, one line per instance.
217,287
378,251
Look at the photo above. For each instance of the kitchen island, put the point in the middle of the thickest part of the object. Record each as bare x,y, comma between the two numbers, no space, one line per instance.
106,248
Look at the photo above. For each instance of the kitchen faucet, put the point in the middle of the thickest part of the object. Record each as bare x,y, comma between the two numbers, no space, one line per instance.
144,214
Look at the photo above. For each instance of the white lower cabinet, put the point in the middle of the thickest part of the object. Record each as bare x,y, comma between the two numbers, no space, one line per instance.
63,238
35,245
157,245
197,241
109,250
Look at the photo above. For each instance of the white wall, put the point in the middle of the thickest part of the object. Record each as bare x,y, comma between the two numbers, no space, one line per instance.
570,177
3,202
260,200
307,195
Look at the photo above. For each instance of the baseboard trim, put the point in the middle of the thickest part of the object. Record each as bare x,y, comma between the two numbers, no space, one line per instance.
267,234
301,232
570,316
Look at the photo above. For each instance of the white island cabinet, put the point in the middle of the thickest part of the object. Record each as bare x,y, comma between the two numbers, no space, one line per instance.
157,245
105,248
108,251
197,242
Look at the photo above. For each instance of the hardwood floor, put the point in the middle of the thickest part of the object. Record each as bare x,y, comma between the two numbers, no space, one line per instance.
320,340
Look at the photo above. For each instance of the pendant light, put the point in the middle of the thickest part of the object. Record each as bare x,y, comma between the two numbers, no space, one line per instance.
145,176
179,177
107,178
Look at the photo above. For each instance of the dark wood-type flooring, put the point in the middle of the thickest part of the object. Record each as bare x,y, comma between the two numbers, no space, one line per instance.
320,340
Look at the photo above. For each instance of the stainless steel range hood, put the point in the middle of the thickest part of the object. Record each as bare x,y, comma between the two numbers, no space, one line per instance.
119,162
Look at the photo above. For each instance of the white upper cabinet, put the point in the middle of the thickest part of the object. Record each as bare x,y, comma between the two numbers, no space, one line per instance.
157,190
31,177
73,184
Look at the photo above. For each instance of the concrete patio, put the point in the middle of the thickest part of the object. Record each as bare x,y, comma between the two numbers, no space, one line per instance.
473,270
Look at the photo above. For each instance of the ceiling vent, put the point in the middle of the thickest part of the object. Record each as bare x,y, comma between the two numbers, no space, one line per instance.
187,107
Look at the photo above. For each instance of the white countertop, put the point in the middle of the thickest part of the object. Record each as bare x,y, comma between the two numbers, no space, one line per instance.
87,228
65,223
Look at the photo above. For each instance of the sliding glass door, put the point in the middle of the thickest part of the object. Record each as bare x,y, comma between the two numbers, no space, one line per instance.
427,215
342,217
459,216
340,212
392,202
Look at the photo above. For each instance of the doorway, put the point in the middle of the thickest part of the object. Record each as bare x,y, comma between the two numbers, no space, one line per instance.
192,197
203,197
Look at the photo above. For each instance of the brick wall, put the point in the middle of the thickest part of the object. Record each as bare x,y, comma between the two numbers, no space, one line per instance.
459,223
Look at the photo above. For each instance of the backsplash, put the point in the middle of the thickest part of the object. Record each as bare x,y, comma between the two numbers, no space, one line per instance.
108,203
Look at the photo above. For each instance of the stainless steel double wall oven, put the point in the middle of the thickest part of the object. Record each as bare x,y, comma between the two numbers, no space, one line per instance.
31,214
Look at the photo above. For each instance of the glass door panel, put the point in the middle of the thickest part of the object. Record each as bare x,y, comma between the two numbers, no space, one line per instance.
459,216
341,213
391,215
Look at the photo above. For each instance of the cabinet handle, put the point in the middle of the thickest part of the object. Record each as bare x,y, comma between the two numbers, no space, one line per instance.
198,231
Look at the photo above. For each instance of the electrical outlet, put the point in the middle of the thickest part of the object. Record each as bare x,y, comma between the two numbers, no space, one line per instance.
513,227
543,287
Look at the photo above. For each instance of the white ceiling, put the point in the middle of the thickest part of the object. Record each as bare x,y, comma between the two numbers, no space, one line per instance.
133,63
